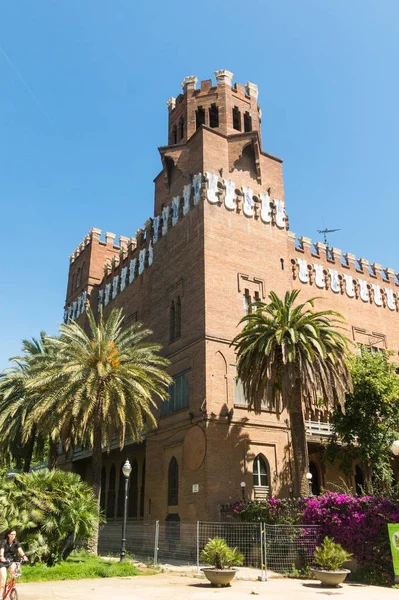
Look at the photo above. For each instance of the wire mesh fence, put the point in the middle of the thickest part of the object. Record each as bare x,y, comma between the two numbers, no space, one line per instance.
285,549
244,536
289,548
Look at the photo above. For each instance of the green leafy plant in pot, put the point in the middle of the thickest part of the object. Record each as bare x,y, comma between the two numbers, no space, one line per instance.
221,559
329,558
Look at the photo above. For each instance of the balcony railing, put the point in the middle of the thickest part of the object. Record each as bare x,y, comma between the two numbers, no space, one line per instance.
318,428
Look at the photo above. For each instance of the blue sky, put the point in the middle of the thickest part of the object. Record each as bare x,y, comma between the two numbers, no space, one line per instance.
82,111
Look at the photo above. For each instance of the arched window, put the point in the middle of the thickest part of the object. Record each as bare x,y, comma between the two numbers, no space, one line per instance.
173,483
103,484
260,472
121,494
142,490
132,509
315,479
359,481
111,493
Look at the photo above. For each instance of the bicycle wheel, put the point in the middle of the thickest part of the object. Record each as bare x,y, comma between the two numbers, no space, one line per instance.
14,594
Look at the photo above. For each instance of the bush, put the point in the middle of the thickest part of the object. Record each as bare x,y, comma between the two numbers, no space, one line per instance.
359,524
53,512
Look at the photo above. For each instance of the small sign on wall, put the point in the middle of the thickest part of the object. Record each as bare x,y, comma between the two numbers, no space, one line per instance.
195,488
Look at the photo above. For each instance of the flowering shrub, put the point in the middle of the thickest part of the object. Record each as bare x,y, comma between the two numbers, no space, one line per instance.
359,524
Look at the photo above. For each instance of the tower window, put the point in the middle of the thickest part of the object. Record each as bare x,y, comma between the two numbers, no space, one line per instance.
236,118
181,128
199,117
175,319
78,278
173,483
213,116
174,135
247,122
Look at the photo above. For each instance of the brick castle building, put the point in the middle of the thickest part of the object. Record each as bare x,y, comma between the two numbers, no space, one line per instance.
218,239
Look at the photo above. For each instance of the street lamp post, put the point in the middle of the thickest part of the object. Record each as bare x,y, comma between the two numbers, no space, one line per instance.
309,477
126,470
243,485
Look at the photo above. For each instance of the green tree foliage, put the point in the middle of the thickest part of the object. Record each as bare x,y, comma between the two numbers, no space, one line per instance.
99,387
52,511
370,422
296,354
20,444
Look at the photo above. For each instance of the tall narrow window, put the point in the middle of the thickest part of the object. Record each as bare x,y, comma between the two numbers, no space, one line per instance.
142,490
133,492
72,283
173,483
178,318
78,278
236,118
172,321
181,128
174,135
213,116
247,122
260,472
111,493
199,117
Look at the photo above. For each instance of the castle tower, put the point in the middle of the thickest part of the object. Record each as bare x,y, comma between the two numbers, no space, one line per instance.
213,127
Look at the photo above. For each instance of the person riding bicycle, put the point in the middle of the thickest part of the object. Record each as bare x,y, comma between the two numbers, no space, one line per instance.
10,551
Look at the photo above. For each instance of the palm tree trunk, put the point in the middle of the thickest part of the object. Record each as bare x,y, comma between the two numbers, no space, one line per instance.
96,467
29,451
52,455
299,443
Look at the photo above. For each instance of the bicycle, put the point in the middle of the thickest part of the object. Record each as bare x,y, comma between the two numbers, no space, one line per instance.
10,589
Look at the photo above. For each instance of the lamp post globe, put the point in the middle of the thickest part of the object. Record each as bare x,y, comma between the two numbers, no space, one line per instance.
395,447
126,470
243,485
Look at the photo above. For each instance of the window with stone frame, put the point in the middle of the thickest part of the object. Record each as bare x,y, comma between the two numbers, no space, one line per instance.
173,482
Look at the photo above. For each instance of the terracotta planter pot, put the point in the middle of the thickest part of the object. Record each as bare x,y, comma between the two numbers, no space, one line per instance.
219,577
330,578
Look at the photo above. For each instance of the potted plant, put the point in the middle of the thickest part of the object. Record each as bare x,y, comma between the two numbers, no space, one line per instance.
221,559
329,558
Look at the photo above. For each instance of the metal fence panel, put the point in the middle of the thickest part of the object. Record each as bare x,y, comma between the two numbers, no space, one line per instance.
290,548
244,536
139,539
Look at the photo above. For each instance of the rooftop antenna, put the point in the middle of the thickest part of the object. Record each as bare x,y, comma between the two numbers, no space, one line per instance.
324,232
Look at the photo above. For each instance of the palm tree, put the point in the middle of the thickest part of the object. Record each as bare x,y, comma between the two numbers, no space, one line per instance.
16,402
100,386
297,355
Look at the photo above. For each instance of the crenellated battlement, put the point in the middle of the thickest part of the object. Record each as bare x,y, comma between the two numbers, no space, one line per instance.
330,269
225,107
95,235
